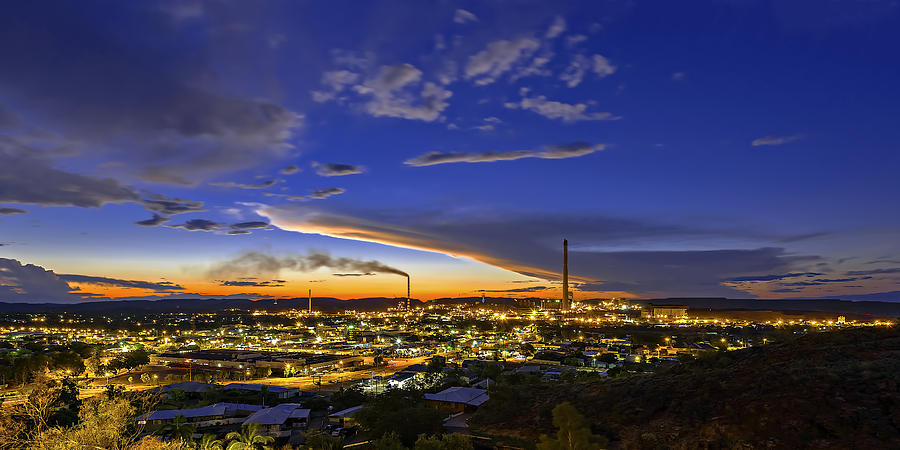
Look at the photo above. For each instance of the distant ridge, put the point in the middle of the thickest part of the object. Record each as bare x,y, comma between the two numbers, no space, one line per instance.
331,304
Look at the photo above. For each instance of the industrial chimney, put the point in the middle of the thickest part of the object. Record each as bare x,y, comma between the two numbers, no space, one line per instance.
407,293
565,300
310,301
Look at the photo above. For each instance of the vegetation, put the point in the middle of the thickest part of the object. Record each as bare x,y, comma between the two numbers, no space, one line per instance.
837,390
403,412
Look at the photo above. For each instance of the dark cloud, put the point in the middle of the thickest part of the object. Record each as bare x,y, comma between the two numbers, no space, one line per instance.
198,225
245,225
560,151
150,92
156,220
257,264
238,232
525,289
775,277
891,270
333,169
168,206
782,290
327,192
840,280
273,283
28,176
290,170
29,283
11,211
366,274
803,283
531,245
104,281
231,184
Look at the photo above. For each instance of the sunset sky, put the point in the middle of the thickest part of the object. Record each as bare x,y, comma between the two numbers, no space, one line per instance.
727,148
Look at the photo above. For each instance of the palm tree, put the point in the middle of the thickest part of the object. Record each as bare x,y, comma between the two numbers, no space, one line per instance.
209,442
249,438
180,429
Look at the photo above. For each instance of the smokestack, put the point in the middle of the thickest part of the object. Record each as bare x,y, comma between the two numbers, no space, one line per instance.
310,301
407,293
565,302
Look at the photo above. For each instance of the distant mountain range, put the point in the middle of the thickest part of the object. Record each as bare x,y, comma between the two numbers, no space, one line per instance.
330,304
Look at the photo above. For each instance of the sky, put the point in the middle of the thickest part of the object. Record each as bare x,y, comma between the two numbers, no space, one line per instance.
728,148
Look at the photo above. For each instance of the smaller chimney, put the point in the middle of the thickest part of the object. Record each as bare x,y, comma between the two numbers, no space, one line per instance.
310,301
407,293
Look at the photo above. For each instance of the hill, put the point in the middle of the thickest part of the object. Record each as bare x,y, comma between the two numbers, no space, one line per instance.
825,390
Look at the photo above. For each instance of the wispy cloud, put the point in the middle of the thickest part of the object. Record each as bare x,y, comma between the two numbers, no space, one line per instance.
558,110
10,211
463,16
561,151
115,282
775,140
232,184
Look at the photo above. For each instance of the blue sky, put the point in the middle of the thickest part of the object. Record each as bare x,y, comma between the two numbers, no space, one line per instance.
728,148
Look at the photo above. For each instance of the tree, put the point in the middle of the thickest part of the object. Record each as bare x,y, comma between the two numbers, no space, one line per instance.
453,441
321,441
402,411
388,441
249,438
347,398
209,442
180,429
573,433
94,365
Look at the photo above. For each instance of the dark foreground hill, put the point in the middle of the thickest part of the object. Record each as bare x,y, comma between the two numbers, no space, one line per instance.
826,390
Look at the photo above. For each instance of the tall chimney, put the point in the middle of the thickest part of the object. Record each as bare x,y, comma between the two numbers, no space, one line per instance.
565,301
310,301
407,293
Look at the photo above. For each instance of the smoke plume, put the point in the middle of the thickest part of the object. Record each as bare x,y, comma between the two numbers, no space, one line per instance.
252,263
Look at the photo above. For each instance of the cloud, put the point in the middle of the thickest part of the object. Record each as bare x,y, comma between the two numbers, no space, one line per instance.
28,176
290,170
335,81
562,151
874,272
574,72
156,220
558,110
252,263
525,289
168,206
529,245
29,283
463,16
499,57
556,28
114,282
391,96
602,67
273,283
150,104
327,192
250,225
10,211
775,277
334,169
365,274
198,225
775,140
231,184
575,39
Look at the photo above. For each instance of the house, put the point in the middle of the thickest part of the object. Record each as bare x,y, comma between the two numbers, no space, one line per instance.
345,417
280,420
207,416
457,399
402,380
275,391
